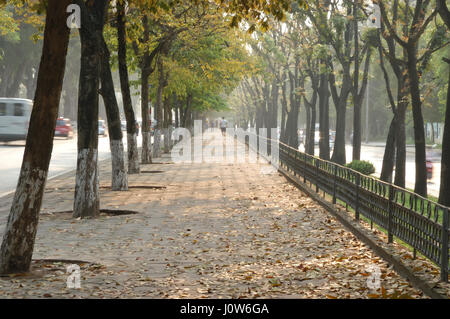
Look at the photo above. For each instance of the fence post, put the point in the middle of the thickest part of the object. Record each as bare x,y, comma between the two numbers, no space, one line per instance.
317,175
357,197
334,184
444,253
390,208
304,168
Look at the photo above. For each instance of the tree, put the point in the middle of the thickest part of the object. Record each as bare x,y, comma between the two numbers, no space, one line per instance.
18,241
444,190
119,171
87,201
421,18
133,155
17,246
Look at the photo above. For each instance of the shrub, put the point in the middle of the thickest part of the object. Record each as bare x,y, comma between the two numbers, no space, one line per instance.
364,167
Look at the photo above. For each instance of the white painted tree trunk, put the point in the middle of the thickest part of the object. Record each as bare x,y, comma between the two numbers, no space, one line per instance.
21,228
133,155
157,143
166,140
146,147
170,136
119,171
87,200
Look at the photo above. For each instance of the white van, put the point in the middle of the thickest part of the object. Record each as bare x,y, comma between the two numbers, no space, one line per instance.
14,118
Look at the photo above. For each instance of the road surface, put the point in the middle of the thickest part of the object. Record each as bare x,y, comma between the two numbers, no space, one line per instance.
375,154
64,159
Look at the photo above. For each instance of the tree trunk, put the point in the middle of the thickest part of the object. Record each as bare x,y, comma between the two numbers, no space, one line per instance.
311,125
119,171
166,125
312,132
389,154
419,131
400,139
339,144
175,103
356,152
18,240
444,190
324,141
133,155
146,157
146,134
159,112
87,199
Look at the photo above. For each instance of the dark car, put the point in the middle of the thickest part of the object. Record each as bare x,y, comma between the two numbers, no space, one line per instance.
63,128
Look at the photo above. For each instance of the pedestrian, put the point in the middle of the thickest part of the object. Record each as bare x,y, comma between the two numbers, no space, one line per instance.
223,126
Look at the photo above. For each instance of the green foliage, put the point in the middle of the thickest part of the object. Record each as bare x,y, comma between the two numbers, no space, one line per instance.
364,167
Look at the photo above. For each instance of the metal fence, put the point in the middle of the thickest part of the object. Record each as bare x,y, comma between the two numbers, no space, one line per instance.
417,221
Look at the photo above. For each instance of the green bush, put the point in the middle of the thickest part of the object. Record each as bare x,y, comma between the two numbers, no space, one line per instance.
364,167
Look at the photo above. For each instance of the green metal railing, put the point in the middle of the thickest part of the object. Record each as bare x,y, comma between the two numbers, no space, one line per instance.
417,221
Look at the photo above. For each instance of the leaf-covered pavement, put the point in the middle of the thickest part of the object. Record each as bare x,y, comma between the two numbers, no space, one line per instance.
216,231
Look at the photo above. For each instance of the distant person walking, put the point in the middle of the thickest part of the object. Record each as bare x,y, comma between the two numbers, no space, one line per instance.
223,126
429,165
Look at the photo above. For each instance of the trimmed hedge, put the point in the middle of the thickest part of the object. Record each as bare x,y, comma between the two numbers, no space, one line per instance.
364,167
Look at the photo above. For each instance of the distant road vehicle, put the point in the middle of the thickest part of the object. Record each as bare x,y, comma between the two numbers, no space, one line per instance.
102,128
14,119
63,128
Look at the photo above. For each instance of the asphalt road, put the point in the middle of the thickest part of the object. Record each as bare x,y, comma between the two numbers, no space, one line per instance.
64,159
375,154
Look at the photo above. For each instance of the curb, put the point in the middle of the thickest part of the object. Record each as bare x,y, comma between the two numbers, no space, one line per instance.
399,267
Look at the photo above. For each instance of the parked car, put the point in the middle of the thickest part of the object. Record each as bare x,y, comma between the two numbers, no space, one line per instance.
14,119
63,128
102,128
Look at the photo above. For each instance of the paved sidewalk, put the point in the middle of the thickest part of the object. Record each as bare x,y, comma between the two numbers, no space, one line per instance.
215,231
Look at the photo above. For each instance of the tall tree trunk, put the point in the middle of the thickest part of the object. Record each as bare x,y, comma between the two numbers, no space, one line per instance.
133,155
356,154
167,123
18,240
145,109
177,108
159,111
87,199
400,138
444,190
119,171
339,156
308,127
285,120
419,131
312,132
146,157
324,141
311,126
389,154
